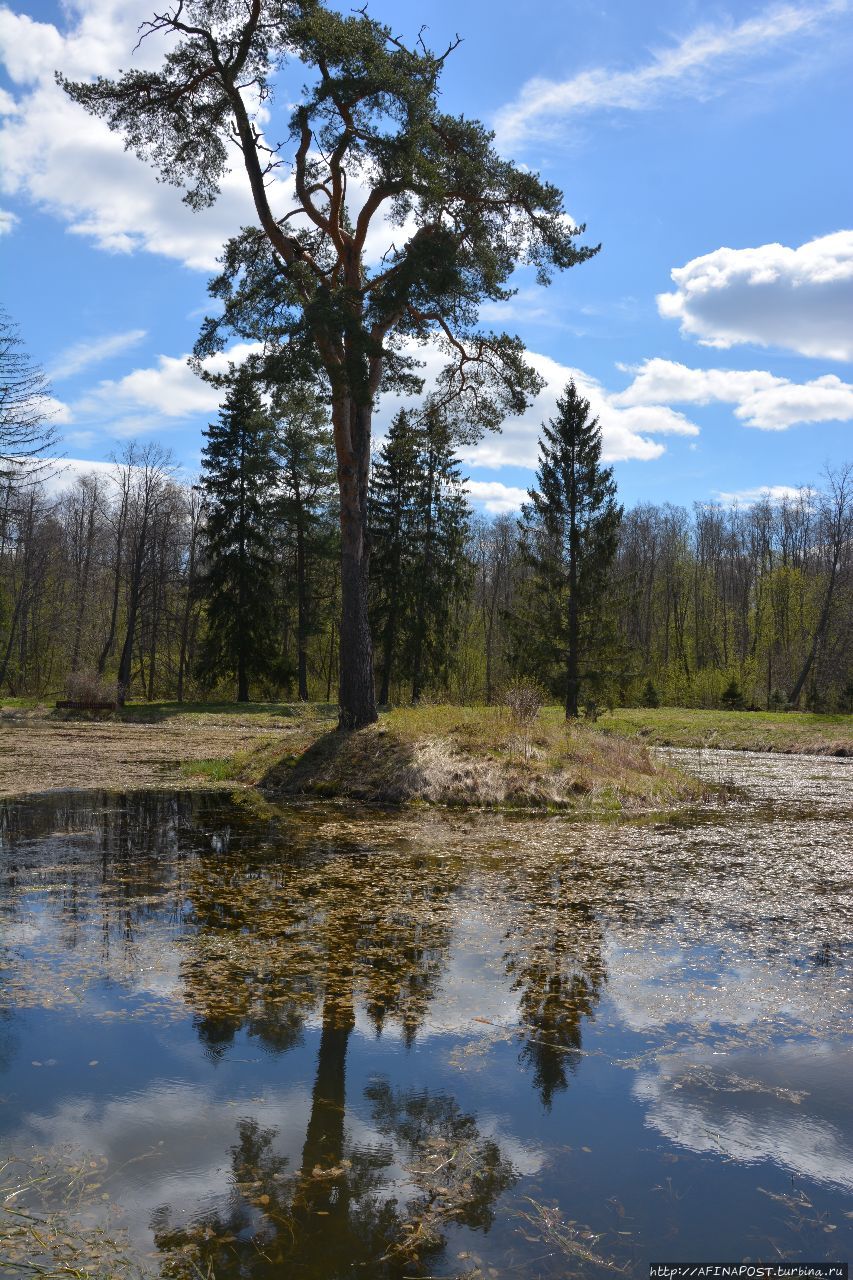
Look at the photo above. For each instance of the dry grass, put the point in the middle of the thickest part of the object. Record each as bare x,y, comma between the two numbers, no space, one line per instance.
479,756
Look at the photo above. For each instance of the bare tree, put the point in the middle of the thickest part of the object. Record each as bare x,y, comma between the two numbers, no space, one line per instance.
26,434
835,519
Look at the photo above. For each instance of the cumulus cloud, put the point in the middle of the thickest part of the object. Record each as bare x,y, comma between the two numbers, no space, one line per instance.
82,354
499,499
625,431
8,221
70,164
149,400
684,69
775,296
762,400
764,492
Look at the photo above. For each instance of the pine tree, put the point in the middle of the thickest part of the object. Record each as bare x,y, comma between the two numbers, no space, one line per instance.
307,458
569,532
239,478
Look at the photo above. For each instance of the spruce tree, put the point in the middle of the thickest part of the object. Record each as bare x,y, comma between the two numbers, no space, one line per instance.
569,534
239,478
307,459
438,559
392,518
418,529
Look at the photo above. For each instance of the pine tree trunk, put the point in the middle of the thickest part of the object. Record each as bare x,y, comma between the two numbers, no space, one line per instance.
357,695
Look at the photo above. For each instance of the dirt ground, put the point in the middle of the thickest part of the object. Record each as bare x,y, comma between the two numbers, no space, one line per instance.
40,753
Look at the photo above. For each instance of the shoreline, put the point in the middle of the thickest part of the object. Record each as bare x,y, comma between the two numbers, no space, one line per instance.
454,757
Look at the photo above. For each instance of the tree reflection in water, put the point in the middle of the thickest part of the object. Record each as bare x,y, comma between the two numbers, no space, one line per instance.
554,954
274,940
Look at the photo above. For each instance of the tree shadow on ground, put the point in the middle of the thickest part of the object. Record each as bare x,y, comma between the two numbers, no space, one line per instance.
365,765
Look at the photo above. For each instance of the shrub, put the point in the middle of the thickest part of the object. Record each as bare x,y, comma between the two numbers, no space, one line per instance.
525,699
88,687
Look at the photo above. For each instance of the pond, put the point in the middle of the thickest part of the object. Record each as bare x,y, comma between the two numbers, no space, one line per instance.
240,1041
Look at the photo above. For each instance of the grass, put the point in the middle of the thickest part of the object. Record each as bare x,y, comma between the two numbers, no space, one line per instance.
434,754
479,756
785,731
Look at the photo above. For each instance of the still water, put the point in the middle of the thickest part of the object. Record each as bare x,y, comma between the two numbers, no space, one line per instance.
237,1041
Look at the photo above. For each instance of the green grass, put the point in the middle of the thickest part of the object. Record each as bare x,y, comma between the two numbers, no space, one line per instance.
787,731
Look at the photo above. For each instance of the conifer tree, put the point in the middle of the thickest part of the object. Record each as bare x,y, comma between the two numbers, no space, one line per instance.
367,141
307,459
419,525
438,561
569,534
239,478
393,486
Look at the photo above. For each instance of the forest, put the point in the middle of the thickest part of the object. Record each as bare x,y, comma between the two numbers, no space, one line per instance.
109,578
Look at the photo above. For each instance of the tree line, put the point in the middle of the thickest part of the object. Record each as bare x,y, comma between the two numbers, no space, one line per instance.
260,584
231,586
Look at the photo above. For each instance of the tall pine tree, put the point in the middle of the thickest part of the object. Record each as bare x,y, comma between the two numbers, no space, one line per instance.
239,479
569,534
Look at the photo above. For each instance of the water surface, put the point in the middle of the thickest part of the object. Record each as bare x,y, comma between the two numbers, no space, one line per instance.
248,1042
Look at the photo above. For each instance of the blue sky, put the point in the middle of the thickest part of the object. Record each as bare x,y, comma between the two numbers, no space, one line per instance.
705,145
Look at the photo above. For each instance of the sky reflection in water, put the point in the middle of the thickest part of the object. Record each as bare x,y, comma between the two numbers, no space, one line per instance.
325,1044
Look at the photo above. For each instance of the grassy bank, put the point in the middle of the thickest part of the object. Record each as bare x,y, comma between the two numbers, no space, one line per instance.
466,756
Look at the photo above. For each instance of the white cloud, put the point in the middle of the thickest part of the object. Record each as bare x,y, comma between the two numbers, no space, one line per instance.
763,400
625,431
499,499
799,299
8,221
748,497
684,69
170,389
56,411
70,164
82,354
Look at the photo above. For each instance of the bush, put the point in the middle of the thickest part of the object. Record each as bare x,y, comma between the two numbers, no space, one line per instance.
525,699
88,687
